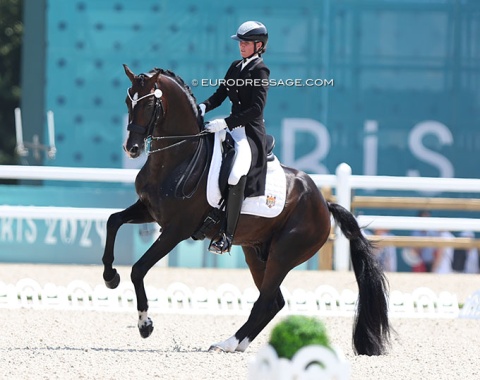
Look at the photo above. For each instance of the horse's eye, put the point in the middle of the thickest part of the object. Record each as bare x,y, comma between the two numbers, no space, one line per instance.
147,111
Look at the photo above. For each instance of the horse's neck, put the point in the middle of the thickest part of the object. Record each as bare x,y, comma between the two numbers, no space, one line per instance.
165,162
173,155
168,163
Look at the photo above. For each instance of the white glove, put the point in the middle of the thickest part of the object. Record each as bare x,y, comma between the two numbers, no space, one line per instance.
202,107
215,125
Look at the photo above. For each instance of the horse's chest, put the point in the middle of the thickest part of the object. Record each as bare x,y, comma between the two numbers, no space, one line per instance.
153,195
159,194
145,189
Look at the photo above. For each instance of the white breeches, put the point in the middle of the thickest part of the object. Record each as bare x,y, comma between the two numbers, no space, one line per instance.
243,156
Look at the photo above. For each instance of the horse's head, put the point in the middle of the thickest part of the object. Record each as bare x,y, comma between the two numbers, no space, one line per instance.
148,101
145,108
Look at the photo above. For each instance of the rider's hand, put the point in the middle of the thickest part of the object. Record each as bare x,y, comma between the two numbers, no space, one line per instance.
215,125
202,107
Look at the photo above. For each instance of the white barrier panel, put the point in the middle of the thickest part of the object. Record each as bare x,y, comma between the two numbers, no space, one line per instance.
471,309
57,173
418,223
61,213
178,298
435,184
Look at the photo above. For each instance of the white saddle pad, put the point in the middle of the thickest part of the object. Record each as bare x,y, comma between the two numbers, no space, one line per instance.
268,205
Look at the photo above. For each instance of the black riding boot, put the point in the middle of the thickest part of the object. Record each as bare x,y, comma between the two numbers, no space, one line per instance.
223,242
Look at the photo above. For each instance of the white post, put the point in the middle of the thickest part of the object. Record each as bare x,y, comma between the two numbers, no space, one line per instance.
51,129
341,249
19,133
51,135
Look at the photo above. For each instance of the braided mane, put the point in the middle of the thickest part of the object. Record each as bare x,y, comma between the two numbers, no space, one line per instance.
180,83
179,80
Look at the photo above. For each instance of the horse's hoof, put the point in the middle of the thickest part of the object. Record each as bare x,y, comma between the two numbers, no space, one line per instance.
146,330
113,283
216,349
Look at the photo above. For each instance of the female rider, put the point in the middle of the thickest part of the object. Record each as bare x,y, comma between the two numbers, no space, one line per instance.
246,85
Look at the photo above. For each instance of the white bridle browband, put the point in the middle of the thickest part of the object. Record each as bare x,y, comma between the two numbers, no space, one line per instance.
157,93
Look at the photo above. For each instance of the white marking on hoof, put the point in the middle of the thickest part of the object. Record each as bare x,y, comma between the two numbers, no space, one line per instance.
243,345
143,319
229,345
215,349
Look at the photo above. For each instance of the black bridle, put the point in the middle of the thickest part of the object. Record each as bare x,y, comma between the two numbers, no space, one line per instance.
158,110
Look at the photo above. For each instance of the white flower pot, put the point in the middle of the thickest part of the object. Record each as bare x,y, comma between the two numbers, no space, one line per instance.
305,365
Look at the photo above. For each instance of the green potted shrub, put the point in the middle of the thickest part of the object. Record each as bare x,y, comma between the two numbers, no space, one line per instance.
296,332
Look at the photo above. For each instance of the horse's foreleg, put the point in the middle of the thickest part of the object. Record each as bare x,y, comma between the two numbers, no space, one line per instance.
136,213
159,249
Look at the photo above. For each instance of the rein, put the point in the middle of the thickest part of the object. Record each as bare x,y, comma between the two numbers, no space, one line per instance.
150,138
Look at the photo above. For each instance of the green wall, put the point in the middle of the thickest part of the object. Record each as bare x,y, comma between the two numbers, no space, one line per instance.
401,93
405,74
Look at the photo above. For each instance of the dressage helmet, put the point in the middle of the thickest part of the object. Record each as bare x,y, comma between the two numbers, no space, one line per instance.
252,31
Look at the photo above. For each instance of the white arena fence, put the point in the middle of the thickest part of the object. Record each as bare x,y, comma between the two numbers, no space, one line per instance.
56,173
343,182
178,298
228,299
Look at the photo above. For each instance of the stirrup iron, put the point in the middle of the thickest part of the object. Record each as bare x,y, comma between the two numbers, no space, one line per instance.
221,245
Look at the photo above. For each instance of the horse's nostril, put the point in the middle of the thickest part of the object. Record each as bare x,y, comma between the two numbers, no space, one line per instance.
134,149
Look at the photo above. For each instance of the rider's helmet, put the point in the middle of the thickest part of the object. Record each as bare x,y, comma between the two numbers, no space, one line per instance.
253,31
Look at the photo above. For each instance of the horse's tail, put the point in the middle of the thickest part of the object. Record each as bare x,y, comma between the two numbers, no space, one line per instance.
371,330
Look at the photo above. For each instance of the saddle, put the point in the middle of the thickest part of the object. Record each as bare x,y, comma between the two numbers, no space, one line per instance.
228,156
268,205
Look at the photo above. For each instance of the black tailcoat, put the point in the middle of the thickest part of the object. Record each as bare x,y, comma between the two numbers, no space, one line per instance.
247,91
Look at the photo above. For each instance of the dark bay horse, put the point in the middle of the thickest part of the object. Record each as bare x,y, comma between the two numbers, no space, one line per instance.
171,188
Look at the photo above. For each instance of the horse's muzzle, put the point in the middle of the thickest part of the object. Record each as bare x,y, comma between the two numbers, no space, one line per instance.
133,152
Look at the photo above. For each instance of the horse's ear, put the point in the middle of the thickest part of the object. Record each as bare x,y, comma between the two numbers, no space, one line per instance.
129,73
156,75
154,78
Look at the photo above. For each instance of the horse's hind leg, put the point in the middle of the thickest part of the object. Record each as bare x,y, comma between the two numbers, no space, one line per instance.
276,306
295,244
136,213
267,278
257,269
